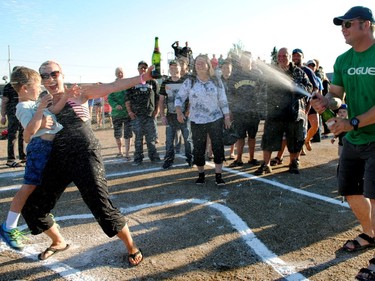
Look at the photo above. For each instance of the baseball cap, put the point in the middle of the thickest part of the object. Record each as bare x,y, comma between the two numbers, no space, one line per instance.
142,62
343,106
357,12
174,62
297,51
311,62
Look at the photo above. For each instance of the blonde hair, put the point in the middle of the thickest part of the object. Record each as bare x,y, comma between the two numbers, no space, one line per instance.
23,76
48,62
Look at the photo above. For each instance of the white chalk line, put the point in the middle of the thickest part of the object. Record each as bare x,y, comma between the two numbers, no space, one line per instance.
286,271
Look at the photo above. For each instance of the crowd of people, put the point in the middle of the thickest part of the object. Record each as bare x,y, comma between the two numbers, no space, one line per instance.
196,105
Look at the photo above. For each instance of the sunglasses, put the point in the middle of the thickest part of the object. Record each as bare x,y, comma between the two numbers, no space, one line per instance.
348,24
53,74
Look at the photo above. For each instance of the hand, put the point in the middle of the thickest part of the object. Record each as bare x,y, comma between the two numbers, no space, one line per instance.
132,115
147,76
319,103
3,120
118,107
47,122
339,125
73,92
180,118
227,123
46,101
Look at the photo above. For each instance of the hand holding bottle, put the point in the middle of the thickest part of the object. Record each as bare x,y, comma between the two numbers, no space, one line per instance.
319,102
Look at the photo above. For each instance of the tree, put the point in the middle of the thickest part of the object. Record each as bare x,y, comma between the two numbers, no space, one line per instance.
274,55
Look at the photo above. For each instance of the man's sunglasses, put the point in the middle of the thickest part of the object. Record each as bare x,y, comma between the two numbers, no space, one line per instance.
53,74
348,24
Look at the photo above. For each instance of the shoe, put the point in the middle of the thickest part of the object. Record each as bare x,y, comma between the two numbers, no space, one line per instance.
253,162
127,159
276,161
119,155
263,169
294,167
167,165
13,237
232,157
156,160
190,163
219,181
236,163
137,163
200,181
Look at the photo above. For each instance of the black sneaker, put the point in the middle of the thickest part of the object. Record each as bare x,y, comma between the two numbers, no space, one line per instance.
137,163
200,181
262,170
219,181
236,163
167,165
156,160
294,167
253,162
190,163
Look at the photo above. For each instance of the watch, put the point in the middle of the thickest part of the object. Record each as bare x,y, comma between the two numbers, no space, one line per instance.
354,122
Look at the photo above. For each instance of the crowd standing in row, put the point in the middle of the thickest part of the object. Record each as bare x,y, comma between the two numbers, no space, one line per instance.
201,104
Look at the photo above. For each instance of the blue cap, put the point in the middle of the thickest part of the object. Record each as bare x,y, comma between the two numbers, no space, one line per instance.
297,51
343,106
357,12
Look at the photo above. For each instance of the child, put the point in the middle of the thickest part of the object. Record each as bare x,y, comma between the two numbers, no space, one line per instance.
342,113
30,111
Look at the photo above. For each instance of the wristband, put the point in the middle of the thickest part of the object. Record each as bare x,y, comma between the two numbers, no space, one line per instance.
142,80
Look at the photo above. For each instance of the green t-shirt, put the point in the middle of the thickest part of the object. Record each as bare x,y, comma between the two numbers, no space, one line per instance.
355,72
115,99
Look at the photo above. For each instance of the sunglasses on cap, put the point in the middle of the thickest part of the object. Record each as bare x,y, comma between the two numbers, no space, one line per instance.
53,74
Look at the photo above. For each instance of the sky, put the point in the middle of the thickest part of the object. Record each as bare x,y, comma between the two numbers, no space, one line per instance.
90,38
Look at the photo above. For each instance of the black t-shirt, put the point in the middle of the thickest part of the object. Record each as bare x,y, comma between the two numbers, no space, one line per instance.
12,95
143,98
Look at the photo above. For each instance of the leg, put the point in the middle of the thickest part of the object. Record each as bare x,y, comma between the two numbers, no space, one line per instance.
125,236
314,125
58,241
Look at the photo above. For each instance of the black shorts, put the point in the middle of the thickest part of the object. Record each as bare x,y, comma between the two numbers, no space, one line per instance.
356,174
246,125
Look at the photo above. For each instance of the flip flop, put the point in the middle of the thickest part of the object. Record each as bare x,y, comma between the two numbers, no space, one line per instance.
133,256
41,256
14,164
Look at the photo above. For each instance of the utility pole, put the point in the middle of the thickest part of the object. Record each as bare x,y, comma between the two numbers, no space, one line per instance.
10,71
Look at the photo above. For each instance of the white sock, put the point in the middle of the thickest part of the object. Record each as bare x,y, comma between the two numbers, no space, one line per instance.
12,220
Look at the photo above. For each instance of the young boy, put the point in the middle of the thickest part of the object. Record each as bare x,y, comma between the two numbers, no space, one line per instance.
30,111
342,113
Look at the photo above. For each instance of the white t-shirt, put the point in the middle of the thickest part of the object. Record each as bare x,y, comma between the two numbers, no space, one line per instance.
25,111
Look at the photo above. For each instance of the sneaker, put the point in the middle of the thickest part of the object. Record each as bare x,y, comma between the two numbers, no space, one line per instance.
200,181
190,163
156,160
253,162
294,167
13,237
263,169
137,163
219,181
167,165
236,163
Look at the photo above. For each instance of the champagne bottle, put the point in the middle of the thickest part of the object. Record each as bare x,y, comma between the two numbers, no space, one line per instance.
326,114
156,60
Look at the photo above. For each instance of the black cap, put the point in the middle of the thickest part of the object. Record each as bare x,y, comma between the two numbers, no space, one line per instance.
357,12
142,62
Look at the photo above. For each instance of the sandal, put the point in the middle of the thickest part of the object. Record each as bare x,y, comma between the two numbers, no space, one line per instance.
133,257
277,161
119,155
42,256
357,245
366,274
14,164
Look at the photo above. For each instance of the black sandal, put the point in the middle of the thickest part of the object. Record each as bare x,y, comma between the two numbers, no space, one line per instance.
357,246
133,256
366,274
277,161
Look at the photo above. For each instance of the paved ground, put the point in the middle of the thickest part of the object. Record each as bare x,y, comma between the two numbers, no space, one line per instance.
275,227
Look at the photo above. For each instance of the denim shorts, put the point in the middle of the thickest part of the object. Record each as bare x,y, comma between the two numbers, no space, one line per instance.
37,151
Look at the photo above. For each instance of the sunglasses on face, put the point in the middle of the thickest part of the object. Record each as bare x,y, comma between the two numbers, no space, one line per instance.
53,74
348,24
